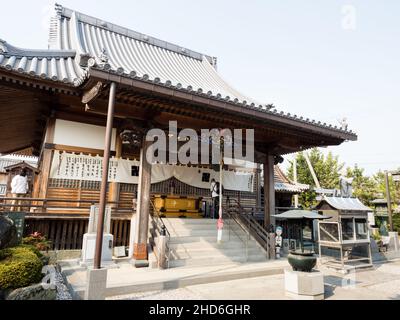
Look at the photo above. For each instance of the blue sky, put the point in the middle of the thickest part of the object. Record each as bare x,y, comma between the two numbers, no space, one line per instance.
294,54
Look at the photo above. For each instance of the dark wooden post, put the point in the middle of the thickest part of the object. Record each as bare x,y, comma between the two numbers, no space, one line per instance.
140,253
269,191
104,177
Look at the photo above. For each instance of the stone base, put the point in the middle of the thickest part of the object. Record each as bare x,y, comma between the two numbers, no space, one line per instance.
89,245
140,263
304,285
394,241
96,282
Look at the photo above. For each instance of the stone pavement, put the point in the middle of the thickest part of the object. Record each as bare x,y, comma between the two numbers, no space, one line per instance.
380,282
125,279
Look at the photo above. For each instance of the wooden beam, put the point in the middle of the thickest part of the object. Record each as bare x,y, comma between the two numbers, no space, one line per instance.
114,187
143,207
269,191
92,93
61,147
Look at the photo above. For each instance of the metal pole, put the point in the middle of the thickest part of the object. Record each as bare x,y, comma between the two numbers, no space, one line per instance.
104,177
389,201
296,196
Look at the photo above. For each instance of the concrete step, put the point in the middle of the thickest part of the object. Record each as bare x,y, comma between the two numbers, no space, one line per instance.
213,252
204,232
208,239
202,245
215,261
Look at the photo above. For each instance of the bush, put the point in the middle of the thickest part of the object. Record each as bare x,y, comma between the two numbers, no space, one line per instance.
19,267
32,248
38,240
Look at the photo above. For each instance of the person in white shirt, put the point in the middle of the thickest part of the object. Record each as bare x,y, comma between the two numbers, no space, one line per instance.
19,189
214,188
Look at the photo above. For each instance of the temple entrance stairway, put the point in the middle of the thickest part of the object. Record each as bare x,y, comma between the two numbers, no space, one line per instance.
193,243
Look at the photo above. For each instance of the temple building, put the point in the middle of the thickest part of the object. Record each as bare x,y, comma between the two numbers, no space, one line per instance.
57,102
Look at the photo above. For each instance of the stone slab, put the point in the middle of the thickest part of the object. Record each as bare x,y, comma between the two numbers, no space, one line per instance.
89,245
304,285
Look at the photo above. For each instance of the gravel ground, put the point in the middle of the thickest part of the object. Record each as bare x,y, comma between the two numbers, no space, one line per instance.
177,294
62,290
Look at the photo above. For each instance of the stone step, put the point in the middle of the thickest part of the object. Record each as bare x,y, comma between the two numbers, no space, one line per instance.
207,239
183,253
214,261
204,232
202,245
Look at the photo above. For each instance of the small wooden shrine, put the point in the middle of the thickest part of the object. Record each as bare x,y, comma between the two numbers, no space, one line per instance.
345,236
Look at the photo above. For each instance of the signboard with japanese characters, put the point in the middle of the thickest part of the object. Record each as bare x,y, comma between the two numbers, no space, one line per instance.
72,166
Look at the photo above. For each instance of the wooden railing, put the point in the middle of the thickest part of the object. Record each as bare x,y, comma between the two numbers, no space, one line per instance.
54,207
65,229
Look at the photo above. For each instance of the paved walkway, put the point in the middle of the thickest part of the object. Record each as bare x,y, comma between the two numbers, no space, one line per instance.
127,279
380,282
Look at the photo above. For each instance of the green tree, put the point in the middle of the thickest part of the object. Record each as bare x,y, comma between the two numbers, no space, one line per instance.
364,187
327,169
394,188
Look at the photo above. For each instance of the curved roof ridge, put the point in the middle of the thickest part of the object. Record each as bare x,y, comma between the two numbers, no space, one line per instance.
63,12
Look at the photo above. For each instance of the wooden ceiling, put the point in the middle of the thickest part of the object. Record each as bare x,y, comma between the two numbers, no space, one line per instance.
22,120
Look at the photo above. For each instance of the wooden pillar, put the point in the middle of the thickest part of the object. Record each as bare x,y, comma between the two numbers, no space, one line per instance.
269,191
140,253
114,187
46,160
258,186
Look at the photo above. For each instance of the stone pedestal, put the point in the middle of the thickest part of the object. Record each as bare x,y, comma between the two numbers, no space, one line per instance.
394,241
304,285
96,282
89,245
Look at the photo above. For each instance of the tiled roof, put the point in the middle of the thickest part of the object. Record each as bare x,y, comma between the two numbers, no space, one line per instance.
108,47
9,160
79,43
137,55
346,204
54,65
283,184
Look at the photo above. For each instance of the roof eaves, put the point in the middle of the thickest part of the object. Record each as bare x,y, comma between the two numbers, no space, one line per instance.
333,131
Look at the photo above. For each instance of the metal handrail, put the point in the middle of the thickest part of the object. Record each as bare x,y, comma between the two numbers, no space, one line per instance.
246,242
161,227
254,228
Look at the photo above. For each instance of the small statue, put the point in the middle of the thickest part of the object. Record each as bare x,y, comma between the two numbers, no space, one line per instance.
344,124
346,190
278,241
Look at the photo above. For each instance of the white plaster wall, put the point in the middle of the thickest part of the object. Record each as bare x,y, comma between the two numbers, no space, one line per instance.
83,135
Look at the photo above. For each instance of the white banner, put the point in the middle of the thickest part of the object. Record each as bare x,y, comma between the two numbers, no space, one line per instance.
89,168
